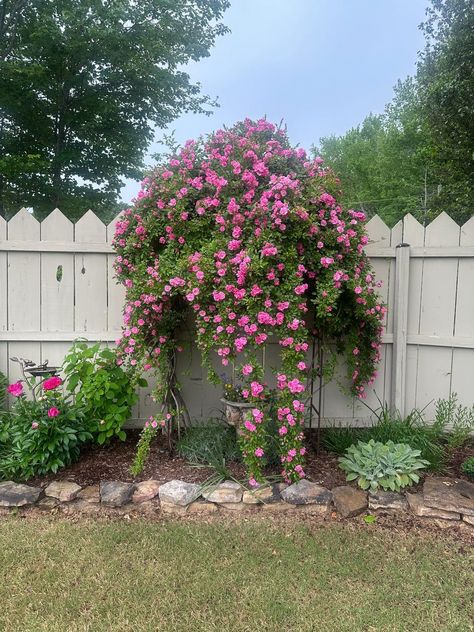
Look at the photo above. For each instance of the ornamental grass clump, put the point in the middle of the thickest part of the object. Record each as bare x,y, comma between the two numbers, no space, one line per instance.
246,232
390,465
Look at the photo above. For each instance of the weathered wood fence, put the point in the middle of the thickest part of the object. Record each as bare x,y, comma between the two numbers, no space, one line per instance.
57,284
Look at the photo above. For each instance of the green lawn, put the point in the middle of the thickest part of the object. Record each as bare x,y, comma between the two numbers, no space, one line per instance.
252,575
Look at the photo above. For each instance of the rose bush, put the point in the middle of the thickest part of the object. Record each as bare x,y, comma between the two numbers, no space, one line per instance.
40,435
246,232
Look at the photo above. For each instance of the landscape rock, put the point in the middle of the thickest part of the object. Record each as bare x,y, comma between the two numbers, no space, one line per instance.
115,493
468,520
202,507
349,501
449,494
90,494
64,491
418,507
306,493
48,503
146,490
278,507
387,500
173,508
226,492
17,495
179,493
268,494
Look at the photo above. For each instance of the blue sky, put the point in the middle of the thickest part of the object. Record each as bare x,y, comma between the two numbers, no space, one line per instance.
321,65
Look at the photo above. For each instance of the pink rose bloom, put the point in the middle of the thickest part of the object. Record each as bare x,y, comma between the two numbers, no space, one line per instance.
250,426
15,389
256,389
282,431
295,386
259,452
53,411
218,296
253,482
51,383
247,369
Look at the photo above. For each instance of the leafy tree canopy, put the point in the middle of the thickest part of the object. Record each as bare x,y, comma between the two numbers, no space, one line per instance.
82,85
418,155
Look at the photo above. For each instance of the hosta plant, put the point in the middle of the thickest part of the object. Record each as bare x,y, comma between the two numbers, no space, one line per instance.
390,465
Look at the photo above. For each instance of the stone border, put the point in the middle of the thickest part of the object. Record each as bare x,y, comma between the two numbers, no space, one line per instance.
448,501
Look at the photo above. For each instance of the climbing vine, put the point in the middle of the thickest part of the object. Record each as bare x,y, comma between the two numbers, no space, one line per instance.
246,232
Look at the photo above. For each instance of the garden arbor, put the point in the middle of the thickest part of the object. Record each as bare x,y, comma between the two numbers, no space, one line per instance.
246,231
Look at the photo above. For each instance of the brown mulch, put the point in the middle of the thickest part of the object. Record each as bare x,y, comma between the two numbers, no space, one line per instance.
113,462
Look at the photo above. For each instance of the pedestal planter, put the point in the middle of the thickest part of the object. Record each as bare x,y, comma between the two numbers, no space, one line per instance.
234,413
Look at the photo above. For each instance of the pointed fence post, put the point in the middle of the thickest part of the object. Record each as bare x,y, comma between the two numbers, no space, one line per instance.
400,326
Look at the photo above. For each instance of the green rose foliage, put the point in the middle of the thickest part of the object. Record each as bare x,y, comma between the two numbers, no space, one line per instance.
246,232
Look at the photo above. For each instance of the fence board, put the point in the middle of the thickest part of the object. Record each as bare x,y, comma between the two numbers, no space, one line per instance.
91,277
41,315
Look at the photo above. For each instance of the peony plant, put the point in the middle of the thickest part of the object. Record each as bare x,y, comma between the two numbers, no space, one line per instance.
246,232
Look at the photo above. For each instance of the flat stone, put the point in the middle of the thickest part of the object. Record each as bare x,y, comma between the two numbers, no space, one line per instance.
146,490
237,506
313,509
17,495
90,494
226,492
64,491
179,493
306,493
349,501
418,507
115,493
449,494
278,507
173,508
268,494
387,500
468,520
202,507
48,503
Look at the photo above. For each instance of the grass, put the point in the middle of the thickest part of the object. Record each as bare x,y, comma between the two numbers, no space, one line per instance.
245,575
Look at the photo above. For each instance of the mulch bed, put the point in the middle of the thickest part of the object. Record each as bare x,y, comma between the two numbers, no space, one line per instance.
113,462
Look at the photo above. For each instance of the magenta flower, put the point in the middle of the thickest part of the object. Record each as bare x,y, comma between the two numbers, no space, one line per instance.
53,411
15,389
51,383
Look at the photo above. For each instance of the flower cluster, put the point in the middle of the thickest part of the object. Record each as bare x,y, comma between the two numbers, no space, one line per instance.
246,232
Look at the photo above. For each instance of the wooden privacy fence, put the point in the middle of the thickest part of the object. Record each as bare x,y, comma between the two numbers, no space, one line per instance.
57,284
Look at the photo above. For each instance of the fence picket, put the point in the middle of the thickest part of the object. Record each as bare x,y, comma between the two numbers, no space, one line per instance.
48,297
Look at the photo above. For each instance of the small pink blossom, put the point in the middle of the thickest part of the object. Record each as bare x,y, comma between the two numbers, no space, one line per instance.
15,389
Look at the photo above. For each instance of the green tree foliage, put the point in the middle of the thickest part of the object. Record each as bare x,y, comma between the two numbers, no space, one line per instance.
82,85
418,155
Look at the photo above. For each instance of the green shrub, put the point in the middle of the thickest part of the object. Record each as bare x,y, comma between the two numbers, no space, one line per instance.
103,389
3,391
431,440
453,421
209,444
338,439
41,436
387,465
468,467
